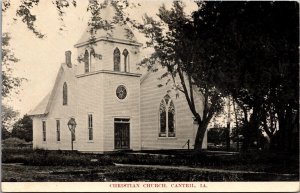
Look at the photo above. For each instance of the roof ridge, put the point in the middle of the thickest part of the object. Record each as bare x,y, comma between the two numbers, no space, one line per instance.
50,95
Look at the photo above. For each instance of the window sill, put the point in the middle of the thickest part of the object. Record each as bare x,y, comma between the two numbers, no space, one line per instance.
167,138
90,141
122,149
168,135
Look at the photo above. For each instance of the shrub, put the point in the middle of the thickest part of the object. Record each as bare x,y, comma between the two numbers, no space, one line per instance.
12,142
61,158
51,158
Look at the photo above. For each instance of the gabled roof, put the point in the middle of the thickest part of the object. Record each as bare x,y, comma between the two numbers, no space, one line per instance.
157,67
41,107
44,106
147,72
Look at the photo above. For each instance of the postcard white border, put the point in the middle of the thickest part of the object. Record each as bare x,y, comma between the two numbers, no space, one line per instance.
145,187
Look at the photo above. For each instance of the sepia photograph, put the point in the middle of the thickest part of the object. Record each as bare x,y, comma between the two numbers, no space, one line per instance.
150,95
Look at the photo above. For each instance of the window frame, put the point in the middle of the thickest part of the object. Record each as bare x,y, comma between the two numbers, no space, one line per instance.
117,60
65,94
121,86
125,53
58,130
86,60
44,130
90,127
166,104
92,55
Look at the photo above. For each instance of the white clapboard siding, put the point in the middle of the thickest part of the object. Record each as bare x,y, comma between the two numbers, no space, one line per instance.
57,111
90,101
95,93
126,108
151,96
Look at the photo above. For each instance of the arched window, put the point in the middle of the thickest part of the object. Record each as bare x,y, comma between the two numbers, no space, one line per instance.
65,94
167,117
126,60
92,55
117,59
86,61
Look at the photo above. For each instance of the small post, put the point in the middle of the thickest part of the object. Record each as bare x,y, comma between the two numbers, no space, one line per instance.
72,125
188,142
72,140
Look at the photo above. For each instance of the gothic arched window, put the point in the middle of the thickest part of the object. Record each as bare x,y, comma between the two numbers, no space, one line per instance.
65,94
167,117
86,61
92,55
117,59
126,60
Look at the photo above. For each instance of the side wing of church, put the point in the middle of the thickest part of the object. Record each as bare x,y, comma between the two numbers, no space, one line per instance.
114,106
166,119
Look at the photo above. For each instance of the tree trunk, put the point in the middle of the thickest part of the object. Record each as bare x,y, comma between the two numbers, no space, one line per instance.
281,131
252,129
200,136
295,133
287,120
288,129
246,135
228,126
237,125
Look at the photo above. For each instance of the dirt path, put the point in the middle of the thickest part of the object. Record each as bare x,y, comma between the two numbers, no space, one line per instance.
185,168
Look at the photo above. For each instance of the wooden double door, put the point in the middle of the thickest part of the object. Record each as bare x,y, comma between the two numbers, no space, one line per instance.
122,133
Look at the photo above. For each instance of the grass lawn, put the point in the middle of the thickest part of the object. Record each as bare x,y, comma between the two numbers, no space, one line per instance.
57,166
22,173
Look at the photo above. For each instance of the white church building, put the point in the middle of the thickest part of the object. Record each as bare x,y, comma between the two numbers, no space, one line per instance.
116,106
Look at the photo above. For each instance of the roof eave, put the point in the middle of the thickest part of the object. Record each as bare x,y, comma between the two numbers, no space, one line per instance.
38,114
127,42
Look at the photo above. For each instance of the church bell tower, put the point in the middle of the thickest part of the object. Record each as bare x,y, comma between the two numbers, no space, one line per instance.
109,85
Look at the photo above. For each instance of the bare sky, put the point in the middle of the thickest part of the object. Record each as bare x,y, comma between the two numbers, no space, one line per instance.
40,59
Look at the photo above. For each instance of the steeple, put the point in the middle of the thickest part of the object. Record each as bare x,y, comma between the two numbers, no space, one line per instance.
107,27
107,43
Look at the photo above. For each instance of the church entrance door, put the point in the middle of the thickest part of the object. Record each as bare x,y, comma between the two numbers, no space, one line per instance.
122,133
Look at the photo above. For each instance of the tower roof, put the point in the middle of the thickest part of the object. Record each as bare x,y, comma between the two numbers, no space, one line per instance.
112,30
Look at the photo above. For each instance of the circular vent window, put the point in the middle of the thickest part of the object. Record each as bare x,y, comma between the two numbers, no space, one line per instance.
121,92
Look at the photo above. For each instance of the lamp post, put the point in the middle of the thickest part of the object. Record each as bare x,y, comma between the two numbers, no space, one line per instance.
72,125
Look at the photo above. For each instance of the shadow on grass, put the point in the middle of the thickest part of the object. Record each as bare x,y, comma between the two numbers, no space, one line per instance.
75,166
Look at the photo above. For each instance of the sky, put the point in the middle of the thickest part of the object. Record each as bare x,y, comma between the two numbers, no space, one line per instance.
40,59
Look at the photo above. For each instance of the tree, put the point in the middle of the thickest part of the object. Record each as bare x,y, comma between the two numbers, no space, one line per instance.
8,115
9,82
22,129
248,50
216,135
25,14
177,48
5,134
255,46
27,17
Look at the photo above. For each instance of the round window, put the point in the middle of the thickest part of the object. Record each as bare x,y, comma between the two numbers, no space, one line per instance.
121,92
